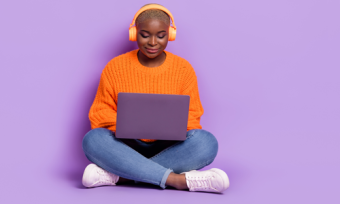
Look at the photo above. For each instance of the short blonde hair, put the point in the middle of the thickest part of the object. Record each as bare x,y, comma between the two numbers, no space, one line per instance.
153,14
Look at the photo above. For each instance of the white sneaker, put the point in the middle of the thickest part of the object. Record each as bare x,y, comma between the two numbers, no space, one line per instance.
213,180
95,176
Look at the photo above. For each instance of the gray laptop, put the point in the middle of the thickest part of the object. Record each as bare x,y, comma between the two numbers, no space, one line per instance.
152,116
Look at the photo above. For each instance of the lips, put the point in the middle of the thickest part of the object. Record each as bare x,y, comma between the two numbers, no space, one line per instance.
151,50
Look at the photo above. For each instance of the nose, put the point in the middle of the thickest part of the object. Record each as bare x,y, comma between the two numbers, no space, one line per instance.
153,41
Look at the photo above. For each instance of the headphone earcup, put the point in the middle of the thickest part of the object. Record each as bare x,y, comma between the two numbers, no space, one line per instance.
133,33
172,33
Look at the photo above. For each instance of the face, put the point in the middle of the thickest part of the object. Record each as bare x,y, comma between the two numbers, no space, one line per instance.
152,37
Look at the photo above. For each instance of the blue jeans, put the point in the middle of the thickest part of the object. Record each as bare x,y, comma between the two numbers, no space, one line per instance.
149,162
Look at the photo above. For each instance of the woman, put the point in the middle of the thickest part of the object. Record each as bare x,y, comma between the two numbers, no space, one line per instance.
150,69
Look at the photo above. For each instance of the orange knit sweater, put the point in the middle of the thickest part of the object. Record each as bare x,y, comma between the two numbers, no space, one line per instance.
125,73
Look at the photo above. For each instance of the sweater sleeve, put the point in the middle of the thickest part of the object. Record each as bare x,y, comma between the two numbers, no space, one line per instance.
190,88
103,112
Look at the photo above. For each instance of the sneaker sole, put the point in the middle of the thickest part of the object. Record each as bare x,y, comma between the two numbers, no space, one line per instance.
224,176
87,172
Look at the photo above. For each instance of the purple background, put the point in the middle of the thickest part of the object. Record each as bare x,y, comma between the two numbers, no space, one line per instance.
268,74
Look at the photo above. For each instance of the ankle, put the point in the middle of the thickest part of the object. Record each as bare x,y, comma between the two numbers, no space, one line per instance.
177,181
181,182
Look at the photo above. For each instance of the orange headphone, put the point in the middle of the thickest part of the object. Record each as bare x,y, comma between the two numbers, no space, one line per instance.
133,29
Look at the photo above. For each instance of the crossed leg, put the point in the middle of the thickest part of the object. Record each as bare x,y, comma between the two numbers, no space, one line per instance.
198,150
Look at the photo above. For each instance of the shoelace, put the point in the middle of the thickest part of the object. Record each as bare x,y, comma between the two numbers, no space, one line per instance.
201,183
104,177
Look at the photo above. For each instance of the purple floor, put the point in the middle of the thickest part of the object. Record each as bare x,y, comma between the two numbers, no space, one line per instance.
262,174
248,185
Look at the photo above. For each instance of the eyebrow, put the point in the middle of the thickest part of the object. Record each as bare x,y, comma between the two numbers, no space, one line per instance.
149,32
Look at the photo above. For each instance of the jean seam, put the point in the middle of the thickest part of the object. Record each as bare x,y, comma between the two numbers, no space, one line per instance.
165,150
203,164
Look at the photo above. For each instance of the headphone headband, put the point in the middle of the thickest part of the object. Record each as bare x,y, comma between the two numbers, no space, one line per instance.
153,6
133,29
